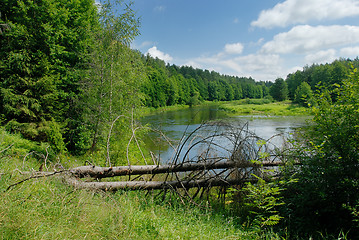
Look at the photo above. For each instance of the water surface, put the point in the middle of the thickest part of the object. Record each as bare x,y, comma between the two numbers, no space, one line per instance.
177,124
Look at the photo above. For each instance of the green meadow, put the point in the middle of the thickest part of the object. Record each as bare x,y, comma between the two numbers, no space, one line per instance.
263,107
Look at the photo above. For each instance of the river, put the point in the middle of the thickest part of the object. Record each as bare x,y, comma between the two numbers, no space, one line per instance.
179,123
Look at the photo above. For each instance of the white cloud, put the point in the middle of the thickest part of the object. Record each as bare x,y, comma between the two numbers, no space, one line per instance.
305,38
303,11
160,8
154,52
144,44
233,48
349,52
194,64
259,66
321,57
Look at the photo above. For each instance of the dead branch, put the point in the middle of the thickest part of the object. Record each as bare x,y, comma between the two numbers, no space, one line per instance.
36,175
8,147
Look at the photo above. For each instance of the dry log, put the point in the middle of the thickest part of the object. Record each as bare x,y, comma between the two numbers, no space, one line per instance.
104,172
149,185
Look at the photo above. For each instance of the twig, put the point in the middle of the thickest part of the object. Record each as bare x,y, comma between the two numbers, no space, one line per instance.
32,177
6,148
23,161
45,160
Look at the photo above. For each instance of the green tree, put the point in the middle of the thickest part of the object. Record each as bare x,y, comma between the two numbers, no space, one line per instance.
303,94
279,90
111,88
293,80
327,192
238,92
42,55
213,91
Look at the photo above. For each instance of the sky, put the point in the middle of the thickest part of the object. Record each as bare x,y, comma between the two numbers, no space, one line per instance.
262,39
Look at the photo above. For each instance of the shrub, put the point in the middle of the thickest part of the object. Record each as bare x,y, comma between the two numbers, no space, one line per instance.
327,194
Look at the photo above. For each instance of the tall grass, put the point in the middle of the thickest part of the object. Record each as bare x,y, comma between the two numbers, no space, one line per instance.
47,208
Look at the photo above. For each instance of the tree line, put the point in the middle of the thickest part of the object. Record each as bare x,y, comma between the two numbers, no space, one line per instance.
170,84
299,86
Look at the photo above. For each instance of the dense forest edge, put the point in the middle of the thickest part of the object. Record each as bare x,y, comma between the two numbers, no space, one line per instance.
72,90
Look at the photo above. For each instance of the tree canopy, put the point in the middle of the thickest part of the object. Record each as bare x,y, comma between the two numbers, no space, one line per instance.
63,63
279,90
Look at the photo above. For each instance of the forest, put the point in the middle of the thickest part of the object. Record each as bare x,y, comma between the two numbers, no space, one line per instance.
170,84
72,89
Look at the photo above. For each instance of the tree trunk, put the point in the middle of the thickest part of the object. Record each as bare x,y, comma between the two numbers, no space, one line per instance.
104,172
149,185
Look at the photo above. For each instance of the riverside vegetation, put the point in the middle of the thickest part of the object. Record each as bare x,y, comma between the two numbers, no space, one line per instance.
70,93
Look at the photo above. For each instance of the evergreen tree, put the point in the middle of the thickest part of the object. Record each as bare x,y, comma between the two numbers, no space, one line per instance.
279,90
42,56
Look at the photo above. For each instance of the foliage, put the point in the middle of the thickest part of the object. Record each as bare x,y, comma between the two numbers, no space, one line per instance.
261,201
303,94
111,87
170,84
326,194
67,71
41,56
14,146
320,75
279,90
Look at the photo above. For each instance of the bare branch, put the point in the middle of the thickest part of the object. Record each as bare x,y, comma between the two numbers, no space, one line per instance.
6,148
37,175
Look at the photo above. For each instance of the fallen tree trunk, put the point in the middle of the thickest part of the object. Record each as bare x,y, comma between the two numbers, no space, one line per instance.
104,172
150,185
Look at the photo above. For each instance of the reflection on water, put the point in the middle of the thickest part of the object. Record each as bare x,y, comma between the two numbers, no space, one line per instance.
178,124
281,126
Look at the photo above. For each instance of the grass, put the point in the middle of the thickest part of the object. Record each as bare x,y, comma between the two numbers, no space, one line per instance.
46,208
261,107
243,107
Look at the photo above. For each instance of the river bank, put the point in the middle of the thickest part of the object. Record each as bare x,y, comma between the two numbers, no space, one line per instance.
241,107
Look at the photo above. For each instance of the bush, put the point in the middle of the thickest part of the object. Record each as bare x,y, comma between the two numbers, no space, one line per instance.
327,194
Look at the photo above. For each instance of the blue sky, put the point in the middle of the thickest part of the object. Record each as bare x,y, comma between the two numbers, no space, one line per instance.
264,39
